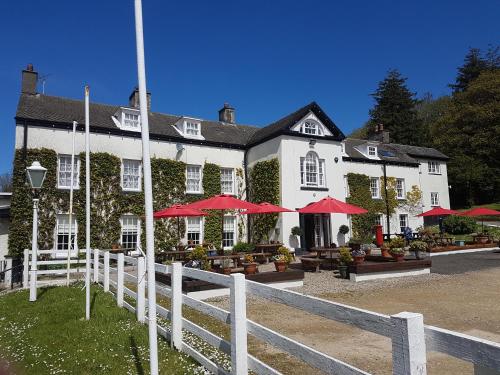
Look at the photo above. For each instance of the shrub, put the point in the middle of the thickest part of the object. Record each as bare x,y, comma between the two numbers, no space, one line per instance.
343,229
296,231
248,258
243,247
418,246
345,256
396,243
282,250
459,224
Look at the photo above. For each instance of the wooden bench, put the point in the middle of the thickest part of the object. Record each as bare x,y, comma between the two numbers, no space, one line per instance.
311,264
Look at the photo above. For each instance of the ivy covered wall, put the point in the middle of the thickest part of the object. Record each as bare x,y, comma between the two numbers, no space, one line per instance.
264,187
211,187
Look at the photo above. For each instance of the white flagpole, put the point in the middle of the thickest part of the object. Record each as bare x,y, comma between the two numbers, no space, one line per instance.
87,205
71,202
148,191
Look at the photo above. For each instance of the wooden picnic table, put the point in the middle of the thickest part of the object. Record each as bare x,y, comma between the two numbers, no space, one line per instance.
268,247
175,255
236,257
332,253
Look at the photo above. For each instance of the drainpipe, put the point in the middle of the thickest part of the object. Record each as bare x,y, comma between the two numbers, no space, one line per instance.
247,190
386,202
25,141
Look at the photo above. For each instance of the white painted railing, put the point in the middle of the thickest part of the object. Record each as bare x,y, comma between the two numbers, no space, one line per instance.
411,339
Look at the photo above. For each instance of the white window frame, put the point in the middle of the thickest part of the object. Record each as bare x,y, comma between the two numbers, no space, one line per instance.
372,151
191,128
224,174
62,228
434,167
233,232
76,172
198,190
375,188
125,226
403,217
346,187
434,199
139,177
194,225
311,127
312,170
400,190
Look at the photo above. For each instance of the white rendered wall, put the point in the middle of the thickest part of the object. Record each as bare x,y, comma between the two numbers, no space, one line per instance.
4,237
434,183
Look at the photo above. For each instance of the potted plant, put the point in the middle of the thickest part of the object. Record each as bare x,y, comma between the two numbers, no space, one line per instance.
116,246
358,255
243,247
226,266
368,247
384,249
345,258
396,248
249,266
418,247
198,258
296,231
343,229
280,263
355,243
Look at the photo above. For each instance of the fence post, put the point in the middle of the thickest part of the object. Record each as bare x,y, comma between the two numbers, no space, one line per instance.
176,308
96,266
106,271
481,370
26,262
141,289
8,273
119,280
239,365
408,344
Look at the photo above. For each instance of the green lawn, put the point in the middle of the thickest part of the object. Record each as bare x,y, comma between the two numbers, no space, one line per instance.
51,336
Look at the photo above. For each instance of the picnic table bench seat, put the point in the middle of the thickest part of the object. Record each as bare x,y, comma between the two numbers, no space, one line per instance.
311,264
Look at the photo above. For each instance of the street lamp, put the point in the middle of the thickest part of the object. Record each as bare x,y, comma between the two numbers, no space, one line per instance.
36,175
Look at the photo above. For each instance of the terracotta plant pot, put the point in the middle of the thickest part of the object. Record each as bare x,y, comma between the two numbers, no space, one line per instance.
385,252
226,271
398,257
359,259
482,239
250,268
280,266
368,251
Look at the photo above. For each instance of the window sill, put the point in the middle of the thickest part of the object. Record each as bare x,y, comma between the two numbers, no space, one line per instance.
131,190
313,188
68,188
435,173
194,192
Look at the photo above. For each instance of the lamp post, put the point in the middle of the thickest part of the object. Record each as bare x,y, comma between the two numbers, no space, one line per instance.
36,175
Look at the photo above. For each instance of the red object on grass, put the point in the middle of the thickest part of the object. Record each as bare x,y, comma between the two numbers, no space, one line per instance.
331,205
222,202
480,211
177,210
267,208
438,211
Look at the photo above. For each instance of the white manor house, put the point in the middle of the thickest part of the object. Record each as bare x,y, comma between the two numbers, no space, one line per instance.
313,153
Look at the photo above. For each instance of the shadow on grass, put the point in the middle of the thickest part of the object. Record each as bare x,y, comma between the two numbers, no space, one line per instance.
43,290
92,302
137,359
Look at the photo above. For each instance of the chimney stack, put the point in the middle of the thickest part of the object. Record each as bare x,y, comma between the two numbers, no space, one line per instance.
29,80
134,102
226,114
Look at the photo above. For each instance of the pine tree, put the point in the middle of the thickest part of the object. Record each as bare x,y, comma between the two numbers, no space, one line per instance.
395,109
473,66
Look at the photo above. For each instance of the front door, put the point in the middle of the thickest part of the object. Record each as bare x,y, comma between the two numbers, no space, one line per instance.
316,230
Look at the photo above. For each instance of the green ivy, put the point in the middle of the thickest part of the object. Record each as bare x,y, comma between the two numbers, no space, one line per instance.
108,201
211,187
264,187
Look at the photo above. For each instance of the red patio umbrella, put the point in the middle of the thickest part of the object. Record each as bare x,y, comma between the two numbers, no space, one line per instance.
267,208
438,211
480,211
177,210
222,202
331,205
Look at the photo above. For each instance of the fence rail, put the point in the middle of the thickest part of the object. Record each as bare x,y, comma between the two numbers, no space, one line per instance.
411,339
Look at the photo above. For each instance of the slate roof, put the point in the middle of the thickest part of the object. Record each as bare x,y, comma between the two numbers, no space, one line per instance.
402,153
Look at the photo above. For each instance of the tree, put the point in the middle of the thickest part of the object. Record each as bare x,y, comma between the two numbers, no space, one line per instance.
469,132
429,111
395,109
6,182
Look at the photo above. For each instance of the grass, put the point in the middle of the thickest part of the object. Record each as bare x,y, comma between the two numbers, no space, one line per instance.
51,336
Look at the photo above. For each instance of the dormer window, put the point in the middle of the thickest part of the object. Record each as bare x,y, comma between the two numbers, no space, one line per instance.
192,128
372,151
127,119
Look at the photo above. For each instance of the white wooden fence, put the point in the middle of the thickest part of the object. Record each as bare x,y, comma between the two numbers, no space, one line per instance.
411,339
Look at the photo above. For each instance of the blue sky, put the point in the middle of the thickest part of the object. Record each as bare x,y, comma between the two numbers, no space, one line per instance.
266,58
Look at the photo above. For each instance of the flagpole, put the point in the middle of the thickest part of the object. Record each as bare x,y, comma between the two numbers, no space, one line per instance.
87,204
148,191
71,203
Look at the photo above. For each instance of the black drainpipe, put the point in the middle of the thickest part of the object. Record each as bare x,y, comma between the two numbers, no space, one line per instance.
247,190
25,141
386,202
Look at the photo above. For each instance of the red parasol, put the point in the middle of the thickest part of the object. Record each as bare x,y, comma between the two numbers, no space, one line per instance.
480,211
438,211
177,210
267,208
331,205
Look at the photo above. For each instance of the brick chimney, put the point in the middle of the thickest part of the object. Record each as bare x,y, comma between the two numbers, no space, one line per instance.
226,114
134,102
29,80
381,135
